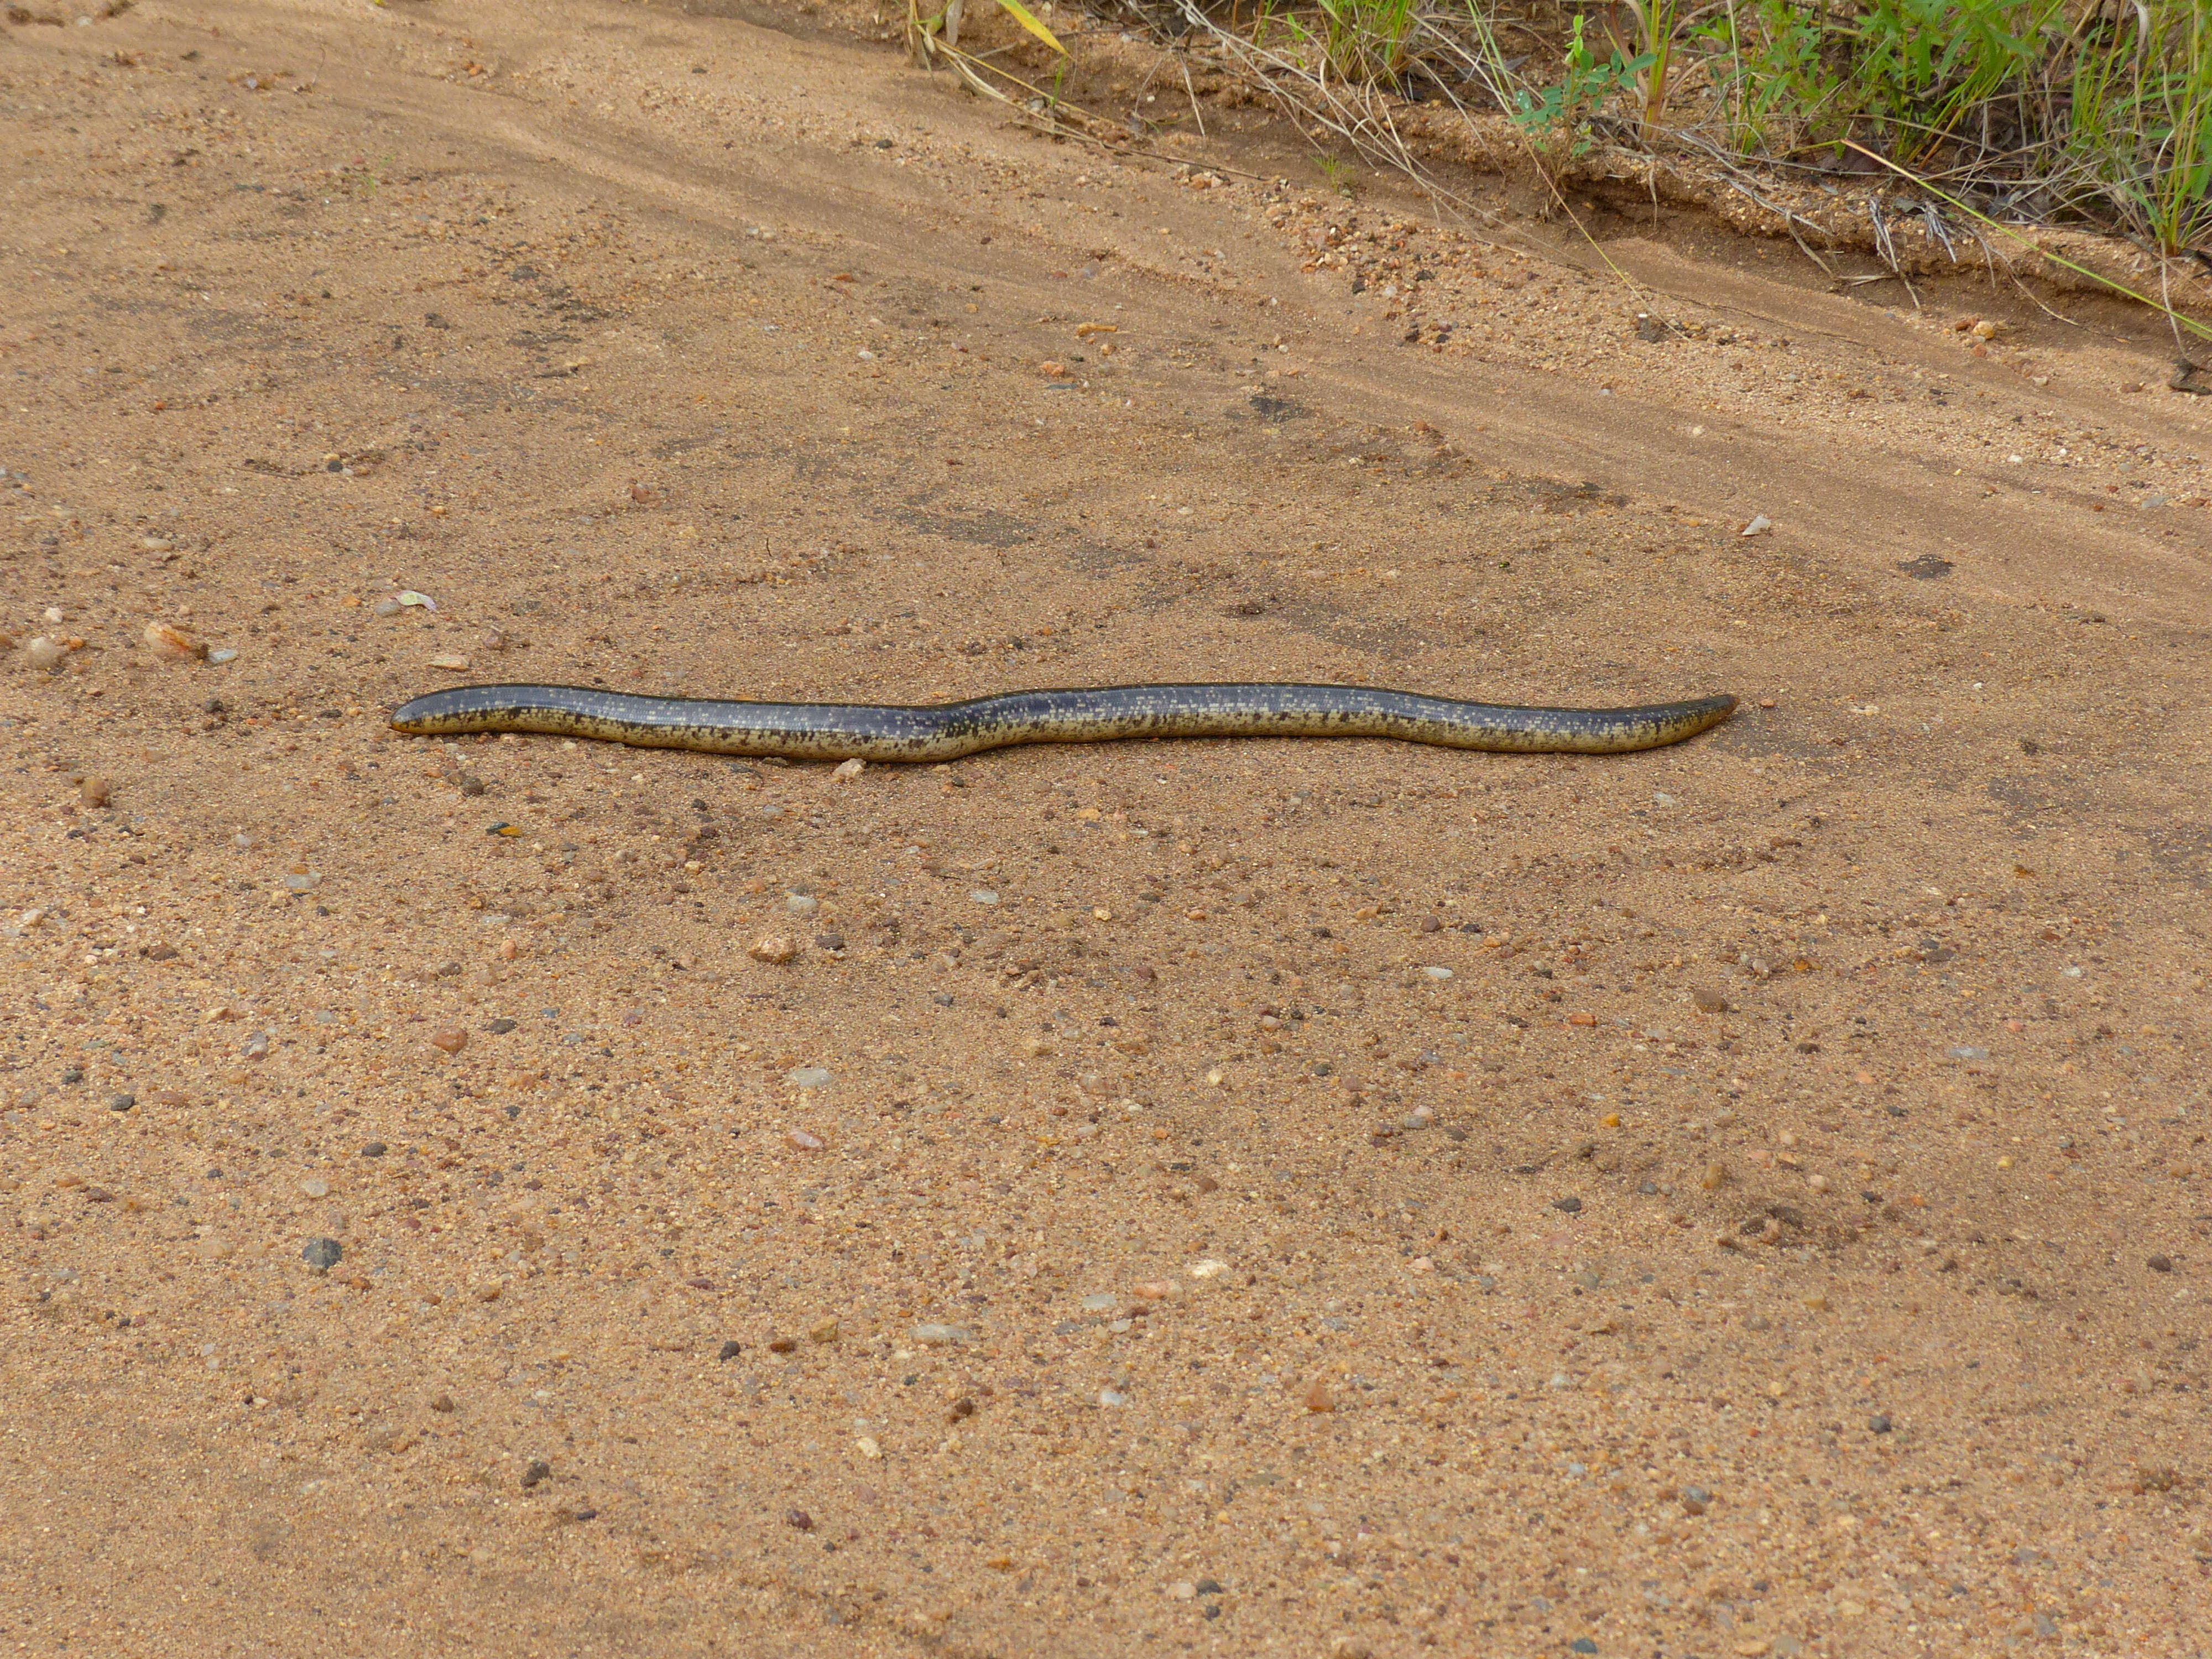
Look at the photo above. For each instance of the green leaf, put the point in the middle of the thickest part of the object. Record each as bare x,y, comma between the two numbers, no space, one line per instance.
1022,14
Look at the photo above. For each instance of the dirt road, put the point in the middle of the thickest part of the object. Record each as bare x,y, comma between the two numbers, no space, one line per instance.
1747,1199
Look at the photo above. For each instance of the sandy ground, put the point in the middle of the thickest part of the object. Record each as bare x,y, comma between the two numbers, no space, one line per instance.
1339,1200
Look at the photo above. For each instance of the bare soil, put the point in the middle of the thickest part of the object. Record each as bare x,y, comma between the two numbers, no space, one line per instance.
1340,1198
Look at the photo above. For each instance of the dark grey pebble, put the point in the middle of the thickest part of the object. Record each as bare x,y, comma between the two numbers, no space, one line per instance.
322,1254
730,1350
1581,1644
75,1074
374,1149
2161,1264
1879,1424
1209,1587
500,1027
1572,1204
538,1470
121,1103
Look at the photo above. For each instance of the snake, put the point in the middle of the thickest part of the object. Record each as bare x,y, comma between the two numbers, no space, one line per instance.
948,731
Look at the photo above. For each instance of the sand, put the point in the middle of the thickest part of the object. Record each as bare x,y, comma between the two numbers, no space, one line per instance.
1326,1199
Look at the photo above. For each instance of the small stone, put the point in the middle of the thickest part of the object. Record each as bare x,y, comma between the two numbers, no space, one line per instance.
255,1046
777,948
1571,1205
984,895
537,1471
1318,1398
939,1336
1350,1647
1878,1423
322,1254
851,768
221,656
452,662
1207,1268
1581,1644
303,881
801,1142
1715,1178
1098,1302
1759,525
1155,1290
826,1331
1709,1000
801,904
1695,1500
93,791
443,1403
866,1446
798,1520
2160,1264
1437,973
1112,1397
374,1149
43,653
173,644
315,1187
730,1350
450,1038
808,1076
121,1103
500,1027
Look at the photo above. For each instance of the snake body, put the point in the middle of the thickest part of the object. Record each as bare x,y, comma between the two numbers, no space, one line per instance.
941,732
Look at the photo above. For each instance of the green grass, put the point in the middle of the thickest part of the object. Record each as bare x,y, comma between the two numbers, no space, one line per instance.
2096,112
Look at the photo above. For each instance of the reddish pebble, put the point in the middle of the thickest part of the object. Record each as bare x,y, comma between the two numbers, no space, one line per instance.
799,1519
451,1038
1155,1290
1318,1398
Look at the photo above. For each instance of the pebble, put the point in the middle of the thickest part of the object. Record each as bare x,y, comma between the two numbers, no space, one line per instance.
801,904
315,1187
1581,1644
1112,1397
538,1470
173,644
1715,1178
825,1331
94,791
1099,1302
121,1103
2160,1264
450,1038
222,655
322,1254
798,1520
1318,1398
851,768
452,661
1878,1423
1759,525
1966,1052
42,651
800,1141
939,1336
1207,1268
1439,974
256,1047
777,948
984,895
808,1076
1571,1205
374,1149
1695,1500
1709,1000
